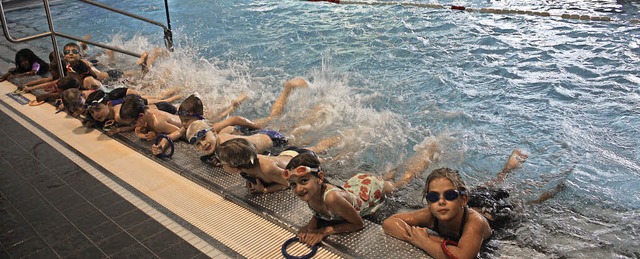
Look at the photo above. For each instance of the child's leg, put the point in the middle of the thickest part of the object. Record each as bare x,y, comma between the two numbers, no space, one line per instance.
169,95
423,157
234,104
90,83
326,143
516,159
549,194
278,106
142,62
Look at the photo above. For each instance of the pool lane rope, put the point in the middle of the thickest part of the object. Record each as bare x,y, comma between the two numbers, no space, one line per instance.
481,10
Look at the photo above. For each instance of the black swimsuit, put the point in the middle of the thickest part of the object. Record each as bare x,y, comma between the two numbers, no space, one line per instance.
464,221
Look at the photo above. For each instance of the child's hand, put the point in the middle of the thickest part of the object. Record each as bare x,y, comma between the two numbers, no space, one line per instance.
312,237
418,235
151,135
157,149
113,131
258,187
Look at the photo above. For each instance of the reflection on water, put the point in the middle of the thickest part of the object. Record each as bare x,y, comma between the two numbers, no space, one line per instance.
388,77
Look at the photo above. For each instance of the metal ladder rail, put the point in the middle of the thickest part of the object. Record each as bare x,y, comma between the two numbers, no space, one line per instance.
168,35
52,33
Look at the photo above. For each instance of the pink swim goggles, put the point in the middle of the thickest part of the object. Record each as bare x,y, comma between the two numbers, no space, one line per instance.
299,171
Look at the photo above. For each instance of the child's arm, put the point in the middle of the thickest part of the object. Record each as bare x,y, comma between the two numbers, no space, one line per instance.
399,225
337,204
96,72
274,187
117,130
39,81
40,86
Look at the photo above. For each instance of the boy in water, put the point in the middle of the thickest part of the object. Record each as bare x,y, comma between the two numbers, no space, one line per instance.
86,73
263,173
192,110
148,122
105,108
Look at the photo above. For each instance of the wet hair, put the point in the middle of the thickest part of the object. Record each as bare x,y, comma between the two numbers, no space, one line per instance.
27,54
132,106
446,173
192,104
239,153
304,159
52,56
72,44
68,82
99,96
70,99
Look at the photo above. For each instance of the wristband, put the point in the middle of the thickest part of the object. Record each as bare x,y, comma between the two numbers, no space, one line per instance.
446,250
286,255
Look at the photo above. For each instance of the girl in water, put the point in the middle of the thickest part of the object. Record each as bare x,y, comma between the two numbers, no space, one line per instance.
344,206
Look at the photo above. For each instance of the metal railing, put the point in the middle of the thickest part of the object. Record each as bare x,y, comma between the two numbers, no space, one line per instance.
168,36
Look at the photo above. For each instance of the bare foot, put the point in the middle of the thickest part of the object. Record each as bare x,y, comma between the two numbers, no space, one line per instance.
516,159
296,82
157,53
142,62
143,59
83,45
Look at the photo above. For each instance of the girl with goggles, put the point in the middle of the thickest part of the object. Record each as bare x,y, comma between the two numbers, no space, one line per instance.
345,205
461,231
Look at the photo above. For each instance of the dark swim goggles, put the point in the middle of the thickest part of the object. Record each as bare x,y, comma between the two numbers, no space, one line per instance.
93,103
200,134
189,114
74,51
449,195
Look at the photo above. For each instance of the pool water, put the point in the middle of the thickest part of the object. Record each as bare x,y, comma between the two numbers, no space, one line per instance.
391,77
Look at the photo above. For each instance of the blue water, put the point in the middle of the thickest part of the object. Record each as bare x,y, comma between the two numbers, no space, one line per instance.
564,91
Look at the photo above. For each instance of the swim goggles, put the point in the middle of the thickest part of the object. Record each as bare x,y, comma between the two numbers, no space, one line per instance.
189,114
449,195
94,103
74,51
299,171
200,134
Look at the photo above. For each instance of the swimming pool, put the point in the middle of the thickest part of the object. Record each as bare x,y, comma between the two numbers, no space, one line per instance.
565,91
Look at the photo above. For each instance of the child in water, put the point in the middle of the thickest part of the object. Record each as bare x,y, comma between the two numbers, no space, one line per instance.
461,230
360,196
192,110
27,64
263,173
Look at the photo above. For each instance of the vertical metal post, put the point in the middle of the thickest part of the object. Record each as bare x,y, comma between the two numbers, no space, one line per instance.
56,53
168,35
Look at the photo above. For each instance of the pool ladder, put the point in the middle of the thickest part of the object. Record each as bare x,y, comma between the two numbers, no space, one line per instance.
168,36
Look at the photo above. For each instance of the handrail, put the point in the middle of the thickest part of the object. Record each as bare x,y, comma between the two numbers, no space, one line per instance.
167,31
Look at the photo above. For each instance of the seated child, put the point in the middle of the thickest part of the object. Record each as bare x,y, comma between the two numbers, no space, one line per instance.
27,64
342,207
263,173
105,108
462,231
148,121
87,74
